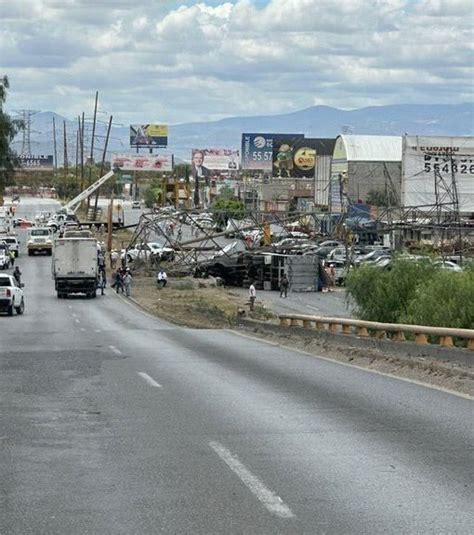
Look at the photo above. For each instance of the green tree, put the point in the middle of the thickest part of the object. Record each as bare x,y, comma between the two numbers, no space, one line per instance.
8,130
153,192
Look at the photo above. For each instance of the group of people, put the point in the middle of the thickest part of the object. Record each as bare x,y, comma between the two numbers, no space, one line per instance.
123,281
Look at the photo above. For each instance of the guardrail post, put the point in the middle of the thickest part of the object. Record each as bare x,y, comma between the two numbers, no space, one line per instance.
320,326
446,341
380,335
333,327
399,336
362,331
470,344
285,322
346,329
308,324
296,322
421,339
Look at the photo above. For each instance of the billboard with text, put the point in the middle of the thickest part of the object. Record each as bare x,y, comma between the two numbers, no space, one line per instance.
143,162
257,150
31,162
297,157
148,135
216,159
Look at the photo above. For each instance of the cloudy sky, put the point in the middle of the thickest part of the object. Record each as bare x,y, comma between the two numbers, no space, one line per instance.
180,61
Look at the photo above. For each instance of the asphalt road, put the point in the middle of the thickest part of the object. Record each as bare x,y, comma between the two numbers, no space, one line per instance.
113,422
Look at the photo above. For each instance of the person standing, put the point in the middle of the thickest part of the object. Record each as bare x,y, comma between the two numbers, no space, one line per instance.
12,256
284,283
252,296
127,282
17,275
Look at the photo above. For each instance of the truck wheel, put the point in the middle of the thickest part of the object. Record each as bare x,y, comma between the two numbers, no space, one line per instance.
93,295
10,309
30,253
50,252
21,308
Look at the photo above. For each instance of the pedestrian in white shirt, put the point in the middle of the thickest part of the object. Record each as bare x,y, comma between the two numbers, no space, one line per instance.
252,295
162,278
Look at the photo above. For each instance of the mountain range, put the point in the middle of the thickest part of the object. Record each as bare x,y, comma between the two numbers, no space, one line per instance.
316,121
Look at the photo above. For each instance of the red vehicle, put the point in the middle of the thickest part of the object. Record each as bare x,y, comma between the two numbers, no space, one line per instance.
22,223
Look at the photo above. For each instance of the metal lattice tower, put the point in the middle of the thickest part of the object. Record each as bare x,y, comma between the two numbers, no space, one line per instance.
26,116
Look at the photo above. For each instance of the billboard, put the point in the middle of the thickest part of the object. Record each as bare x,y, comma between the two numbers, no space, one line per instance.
205,160
257,150
30,162
148,135
433,168
143,162
297,157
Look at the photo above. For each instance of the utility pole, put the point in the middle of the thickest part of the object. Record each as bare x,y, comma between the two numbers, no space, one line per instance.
91,162
81,128
55,147
102,163
65,164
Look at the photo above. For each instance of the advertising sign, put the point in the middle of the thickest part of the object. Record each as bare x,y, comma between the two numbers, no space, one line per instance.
143,162
204,160
297,157
284,149
30,162
434,168
148,135
257,150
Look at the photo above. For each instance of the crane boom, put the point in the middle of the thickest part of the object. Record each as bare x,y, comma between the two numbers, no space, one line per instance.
73,204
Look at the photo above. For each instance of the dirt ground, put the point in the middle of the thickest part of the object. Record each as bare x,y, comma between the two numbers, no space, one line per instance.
192,302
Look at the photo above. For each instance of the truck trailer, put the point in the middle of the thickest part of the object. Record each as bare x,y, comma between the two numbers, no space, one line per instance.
75,267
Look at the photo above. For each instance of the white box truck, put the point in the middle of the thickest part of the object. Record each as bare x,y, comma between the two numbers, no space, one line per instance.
75,268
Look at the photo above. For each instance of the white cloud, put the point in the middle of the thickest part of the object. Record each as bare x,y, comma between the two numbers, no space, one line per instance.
184,60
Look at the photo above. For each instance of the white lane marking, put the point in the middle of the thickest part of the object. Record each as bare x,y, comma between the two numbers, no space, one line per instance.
115,350
97,330
149,380
349,365
77,321
270,500
69,306
82,329
313,308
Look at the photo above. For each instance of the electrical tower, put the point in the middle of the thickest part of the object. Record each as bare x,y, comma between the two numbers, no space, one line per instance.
26,116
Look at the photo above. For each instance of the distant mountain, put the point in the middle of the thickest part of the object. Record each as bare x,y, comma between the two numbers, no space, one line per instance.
317,121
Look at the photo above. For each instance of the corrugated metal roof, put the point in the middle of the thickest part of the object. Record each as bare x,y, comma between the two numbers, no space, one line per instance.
373,148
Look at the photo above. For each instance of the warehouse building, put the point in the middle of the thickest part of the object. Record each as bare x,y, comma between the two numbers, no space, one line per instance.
362,165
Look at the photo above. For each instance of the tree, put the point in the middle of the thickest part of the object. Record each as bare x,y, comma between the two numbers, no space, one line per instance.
8,130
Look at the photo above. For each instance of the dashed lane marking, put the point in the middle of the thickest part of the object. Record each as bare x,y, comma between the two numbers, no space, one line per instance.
269,499
115,350
149,379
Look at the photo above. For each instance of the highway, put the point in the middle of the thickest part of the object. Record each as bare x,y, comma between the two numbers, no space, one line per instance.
115,422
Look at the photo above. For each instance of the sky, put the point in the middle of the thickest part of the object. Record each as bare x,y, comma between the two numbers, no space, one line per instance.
183,61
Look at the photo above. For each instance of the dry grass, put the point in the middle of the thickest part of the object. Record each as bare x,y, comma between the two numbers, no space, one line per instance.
185,304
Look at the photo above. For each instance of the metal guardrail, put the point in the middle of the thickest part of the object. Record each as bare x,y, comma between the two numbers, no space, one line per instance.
367,329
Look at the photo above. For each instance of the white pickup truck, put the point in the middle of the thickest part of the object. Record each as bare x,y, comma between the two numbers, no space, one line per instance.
11,295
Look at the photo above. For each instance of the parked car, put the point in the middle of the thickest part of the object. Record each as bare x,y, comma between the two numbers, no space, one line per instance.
152,250
11,295
5,260
447,265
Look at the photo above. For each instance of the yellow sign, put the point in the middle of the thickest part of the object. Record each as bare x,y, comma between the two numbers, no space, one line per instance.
157,130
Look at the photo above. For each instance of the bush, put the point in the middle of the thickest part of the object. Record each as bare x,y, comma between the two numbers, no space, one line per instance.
414,293
447,299
385,295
